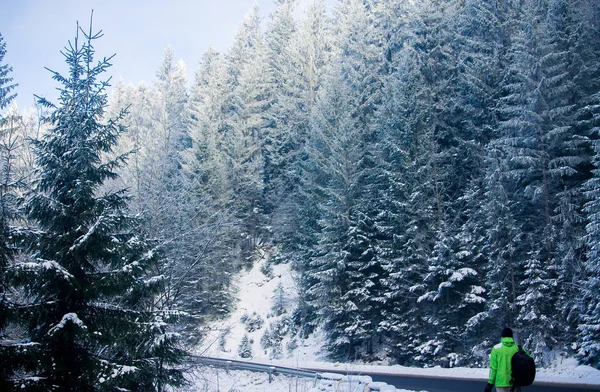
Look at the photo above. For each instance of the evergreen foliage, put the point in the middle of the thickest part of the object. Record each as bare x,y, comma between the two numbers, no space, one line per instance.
6,84
245,348
8,212
88,293
429,168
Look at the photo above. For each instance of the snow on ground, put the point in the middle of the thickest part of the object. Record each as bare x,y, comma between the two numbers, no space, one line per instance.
209,379
256,294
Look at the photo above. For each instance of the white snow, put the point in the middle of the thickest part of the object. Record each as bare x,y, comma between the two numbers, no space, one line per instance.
84,238
460,275
69,317
255,293
209,379
47,265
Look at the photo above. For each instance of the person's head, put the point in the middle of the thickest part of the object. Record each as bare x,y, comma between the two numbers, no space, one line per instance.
507,333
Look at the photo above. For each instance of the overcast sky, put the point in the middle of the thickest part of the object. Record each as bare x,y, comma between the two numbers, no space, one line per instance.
138,31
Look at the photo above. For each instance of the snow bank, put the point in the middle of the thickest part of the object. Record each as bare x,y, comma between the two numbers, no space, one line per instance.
209,379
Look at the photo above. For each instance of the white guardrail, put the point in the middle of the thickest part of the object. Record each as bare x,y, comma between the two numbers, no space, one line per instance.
323,381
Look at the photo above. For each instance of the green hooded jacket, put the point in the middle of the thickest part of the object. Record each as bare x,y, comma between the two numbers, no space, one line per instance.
500,369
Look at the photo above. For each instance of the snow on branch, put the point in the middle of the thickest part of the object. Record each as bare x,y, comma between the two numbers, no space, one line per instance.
84,238
67,318
43,266
461,274
115,370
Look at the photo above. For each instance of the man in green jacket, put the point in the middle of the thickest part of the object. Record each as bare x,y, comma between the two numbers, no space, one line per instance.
500,368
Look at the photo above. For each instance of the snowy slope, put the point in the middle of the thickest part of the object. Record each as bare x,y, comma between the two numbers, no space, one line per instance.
257,295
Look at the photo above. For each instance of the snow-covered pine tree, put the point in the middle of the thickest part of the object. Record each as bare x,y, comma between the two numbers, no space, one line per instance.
6,81
588,118
207,124
209,239
547,164
480,49
171,103
280,300
9,349
570,156
245,348
138,124
399,219
88,305
589,338
161,185
243,137
306,55
341,272
295,219
330,174
6,206
407,216
358,49
286,120
442,134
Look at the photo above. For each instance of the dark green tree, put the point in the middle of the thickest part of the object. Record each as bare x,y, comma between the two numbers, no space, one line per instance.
8,211
88,293
589,350
6,82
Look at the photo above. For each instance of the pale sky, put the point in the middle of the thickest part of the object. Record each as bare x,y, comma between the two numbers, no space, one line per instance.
138,31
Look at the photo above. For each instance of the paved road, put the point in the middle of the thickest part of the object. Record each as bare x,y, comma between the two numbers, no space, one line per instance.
454,385
415,383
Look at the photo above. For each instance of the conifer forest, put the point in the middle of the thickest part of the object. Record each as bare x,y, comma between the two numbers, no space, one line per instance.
429,168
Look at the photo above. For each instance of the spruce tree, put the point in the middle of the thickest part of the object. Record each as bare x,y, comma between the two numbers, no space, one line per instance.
589,336
547,164
6,206
210,227
294,218
6,85
588,119
345,262
88,305
244,135
10,349
403,219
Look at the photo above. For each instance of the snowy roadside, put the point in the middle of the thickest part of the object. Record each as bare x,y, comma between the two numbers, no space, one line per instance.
566,373
256,294
210,379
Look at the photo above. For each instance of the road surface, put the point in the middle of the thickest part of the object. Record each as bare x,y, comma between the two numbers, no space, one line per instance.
429,384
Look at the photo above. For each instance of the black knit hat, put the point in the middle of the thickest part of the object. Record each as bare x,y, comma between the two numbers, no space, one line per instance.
507,333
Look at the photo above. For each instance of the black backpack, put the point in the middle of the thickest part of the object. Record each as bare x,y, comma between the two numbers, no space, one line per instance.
523,368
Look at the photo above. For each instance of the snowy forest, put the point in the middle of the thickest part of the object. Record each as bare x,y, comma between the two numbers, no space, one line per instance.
429,168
